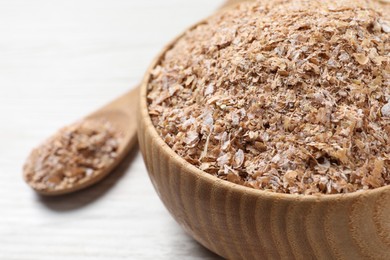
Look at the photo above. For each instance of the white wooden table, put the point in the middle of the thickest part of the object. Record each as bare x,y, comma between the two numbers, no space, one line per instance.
60,60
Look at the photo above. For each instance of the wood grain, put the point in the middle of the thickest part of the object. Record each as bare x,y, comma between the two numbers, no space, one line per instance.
237,222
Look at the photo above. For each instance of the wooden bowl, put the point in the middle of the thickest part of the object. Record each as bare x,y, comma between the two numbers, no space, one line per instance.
237,222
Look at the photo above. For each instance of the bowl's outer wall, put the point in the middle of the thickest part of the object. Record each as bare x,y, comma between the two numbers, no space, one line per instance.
245,225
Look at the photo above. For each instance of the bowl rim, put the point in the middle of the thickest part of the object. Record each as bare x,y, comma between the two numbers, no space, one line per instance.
212,180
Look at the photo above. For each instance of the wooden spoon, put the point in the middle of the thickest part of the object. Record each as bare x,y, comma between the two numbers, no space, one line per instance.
121,114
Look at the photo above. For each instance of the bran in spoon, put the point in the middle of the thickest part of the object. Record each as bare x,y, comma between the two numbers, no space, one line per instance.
72,156
284,96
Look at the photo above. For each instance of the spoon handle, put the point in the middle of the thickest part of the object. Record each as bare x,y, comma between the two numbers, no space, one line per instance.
233,2
126,103
123,114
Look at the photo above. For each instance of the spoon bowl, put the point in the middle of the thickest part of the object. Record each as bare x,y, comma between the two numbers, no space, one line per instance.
121,115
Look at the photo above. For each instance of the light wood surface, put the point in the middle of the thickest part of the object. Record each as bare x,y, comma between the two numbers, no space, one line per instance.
60,60
237,222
